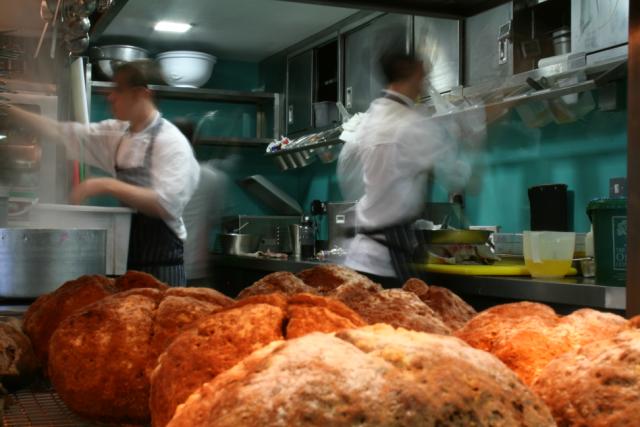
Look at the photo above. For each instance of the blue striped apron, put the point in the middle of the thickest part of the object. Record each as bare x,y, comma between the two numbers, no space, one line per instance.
153,247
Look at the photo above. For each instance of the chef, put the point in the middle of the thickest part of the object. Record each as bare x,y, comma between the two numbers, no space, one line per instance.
396,147
152,164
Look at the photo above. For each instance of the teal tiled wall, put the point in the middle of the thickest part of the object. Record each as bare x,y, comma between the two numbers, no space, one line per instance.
583,155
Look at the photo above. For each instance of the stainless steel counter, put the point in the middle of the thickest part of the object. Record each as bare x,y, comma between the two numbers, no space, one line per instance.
574,292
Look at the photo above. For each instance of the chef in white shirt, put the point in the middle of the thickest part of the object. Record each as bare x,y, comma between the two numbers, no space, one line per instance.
396,148
152,164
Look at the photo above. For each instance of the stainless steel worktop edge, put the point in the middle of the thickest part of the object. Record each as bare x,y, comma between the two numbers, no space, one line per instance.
569,291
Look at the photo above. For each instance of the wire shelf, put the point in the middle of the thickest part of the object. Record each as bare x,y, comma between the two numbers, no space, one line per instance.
39,408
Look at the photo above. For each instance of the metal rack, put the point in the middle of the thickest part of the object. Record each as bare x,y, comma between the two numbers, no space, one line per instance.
302,151
39,408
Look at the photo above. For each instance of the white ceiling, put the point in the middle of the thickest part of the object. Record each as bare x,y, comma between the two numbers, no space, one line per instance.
248,30
23,16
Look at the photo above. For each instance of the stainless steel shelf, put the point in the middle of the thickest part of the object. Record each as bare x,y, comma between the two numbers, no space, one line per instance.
196,93
234,142
576,291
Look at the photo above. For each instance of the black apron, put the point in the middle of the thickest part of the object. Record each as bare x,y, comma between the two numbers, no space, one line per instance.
404,244
153,247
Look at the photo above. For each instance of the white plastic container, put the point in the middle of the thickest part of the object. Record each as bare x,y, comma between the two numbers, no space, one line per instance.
117,222
548,254
185,68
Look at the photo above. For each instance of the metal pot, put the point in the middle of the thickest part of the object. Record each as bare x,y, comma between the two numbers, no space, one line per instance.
77,27
37,261
77,46
239,244
79,8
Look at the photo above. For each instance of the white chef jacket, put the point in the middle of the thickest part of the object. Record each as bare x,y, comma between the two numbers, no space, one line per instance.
174,169
397,147
201,216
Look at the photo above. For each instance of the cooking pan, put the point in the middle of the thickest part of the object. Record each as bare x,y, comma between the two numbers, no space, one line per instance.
455,237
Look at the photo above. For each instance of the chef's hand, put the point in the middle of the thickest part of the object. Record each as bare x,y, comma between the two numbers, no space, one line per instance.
89,188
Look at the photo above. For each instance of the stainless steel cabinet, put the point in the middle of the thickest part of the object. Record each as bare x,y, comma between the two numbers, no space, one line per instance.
437,43
363,49
299,92
598,24
488,46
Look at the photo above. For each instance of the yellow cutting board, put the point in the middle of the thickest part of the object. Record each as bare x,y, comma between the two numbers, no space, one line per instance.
484,270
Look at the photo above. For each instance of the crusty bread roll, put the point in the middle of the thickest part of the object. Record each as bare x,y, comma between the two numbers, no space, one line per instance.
452,309
45,314
138,279
597,385
101,356
374,376
18,362
326,278
222,339
394,307
527,336
282,282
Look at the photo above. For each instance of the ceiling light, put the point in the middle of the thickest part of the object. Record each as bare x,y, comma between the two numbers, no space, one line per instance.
172,27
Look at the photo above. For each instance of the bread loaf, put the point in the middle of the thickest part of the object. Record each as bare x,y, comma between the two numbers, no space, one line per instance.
597,385
527,336
394,307
373,376
328,277
451,309
101,356
222,339
282,282
45,314
18,362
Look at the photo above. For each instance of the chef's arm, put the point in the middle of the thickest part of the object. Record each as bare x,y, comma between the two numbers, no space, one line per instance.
144,200
44,126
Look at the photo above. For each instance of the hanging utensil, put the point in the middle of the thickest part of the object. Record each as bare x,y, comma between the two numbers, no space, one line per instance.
54,38
46,14
44,31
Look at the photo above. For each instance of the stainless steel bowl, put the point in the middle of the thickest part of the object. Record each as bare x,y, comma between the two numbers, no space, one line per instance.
239,244
107,58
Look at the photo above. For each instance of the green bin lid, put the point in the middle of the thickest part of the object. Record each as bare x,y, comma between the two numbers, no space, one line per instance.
602,204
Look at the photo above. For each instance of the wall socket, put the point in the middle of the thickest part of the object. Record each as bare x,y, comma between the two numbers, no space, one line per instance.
618,188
